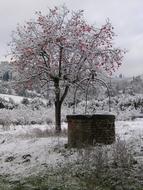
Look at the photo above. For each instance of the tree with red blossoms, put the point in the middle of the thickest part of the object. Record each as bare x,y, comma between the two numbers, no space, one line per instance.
61,49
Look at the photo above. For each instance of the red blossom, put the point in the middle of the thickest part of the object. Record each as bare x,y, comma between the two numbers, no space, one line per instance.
41,40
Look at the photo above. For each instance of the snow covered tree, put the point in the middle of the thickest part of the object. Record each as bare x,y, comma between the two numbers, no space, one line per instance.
60,49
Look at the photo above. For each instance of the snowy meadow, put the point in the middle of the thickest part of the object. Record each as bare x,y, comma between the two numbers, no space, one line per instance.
32,156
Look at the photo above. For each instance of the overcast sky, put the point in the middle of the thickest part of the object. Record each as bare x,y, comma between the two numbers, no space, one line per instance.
125,15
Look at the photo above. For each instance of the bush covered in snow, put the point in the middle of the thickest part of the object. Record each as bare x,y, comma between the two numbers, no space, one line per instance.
124,106
24,116
36,111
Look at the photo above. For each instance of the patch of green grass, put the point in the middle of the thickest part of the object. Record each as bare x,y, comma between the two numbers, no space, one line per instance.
91,169
76,177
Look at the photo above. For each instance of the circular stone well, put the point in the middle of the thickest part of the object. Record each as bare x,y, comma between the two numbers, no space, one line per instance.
90,129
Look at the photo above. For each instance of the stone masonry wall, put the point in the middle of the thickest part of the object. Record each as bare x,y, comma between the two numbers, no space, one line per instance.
90,129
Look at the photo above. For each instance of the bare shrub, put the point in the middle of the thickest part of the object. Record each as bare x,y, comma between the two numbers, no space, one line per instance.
25,116
25,101
122,154
42,133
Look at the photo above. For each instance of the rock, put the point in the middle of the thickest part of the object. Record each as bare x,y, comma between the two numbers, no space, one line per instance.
9,159
26,156
44,164
3,141
135,162
2,105
14,182
26,160
66,145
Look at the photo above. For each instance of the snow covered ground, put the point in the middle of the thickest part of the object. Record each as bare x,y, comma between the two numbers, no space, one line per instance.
27,150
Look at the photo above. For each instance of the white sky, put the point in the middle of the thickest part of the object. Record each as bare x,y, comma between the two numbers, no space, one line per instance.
125,15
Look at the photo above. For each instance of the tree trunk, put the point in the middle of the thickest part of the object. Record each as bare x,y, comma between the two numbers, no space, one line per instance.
58,116
58,104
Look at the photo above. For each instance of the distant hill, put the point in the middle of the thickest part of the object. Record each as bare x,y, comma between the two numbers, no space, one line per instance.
127,84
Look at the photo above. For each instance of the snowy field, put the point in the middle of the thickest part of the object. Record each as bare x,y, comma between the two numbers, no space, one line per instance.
27,150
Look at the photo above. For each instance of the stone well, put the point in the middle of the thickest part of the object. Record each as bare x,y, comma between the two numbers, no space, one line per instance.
90,129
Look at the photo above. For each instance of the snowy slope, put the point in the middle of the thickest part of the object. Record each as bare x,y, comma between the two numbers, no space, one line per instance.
16,99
